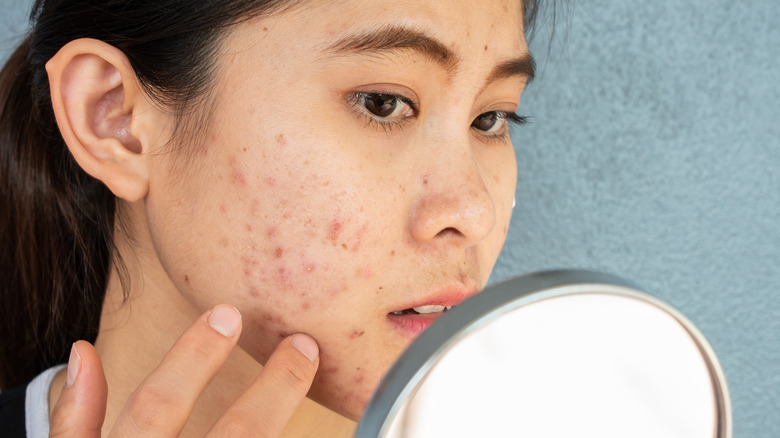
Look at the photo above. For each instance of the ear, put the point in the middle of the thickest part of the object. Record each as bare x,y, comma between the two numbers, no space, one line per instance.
97,101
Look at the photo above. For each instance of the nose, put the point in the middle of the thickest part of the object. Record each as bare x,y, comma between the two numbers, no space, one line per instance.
454,205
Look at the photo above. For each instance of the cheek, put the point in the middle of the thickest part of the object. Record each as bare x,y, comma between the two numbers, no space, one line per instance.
294,248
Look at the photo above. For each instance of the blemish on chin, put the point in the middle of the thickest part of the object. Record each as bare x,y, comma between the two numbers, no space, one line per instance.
187,280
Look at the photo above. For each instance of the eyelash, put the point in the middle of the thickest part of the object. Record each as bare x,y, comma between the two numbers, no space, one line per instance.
357,101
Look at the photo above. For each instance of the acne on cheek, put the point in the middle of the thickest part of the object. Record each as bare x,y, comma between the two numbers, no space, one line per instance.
237,174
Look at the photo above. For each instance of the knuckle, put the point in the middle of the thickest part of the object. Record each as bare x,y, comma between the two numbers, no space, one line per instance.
154,407
200,347
235,426
295,373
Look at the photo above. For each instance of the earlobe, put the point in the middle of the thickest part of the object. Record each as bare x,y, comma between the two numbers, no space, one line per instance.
96,98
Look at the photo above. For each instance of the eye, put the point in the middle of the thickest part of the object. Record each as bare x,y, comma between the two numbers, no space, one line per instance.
490,122
386,106
493,124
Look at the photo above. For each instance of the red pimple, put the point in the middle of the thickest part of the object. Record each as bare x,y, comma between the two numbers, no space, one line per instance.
253,292
309,267
334,231
249,261
278,253
270,181
272,231
248,227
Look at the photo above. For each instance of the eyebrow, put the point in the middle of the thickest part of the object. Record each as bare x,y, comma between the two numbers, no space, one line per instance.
524,66
395,38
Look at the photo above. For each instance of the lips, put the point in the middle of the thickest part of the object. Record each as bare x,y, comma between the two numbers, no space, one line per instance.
418,316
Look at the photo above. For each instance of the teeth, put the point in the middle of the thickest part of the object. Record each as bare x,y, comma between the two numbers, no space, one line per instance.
431,309
423,309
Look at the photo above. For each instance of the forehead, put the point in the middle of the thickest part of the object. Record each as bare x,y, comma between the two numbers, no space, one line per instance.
458,24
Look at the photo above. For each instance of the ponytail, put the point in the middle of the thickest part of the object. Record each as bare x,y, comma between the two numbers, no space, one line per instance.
56,232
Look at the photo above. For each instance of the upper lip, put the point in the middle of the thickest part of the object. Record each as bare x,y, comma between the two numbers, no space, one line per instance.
447,296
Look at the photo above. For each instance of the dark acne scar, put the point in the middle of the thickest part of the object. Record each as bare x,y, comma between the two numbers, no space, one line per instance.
357,334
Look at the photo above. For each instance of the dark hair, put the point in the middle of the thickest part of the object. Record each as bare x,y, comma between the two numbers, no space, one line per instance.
56,222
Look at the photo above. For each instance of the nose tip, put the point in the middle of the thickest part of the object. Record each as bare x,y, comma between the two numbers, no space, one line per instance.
462,213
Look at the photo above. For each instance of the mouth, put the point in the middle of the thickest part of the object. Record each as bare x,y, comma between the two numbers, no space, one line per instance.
423,310
416,318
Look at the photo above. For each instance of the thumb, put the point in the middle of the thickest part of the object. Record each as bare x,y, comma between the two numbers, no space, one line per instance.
81,408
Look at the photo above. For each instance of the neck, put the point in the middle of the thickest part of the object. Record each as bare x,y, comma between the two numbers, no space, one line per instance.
135,334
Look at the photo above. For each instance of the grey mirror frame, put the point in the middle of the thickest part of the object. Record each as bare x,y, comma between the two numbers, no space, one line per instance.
414,364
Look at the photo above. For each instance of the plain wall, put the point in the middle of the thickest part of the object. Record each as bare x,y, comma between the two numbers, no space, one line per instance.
654,154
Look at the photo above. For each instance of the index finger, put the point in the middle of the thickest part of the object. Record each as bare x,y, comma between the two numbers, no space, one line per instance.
163,402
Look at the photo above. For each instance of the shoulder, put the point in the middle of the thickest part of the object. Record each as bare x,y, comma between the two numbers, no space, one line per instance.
24,410
12,418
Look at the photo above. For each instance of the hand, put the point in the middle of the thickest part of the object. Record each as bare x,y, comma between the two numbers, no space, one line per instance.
163,402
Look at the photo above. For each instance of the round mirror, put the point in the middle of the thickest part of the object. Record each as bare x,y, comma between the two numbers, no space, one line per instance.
555,354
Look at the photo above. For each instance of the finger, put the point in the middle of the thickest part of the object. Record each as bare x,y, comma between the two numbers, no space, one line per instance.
163,402
266,407
81,408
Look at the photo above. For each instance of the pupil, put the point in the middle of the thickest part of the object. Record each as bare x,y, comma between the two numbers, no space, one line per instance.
485,122
380,104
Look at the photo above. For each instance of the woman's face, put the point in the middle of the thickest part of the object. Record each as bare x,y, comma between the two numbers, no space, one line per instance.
357,165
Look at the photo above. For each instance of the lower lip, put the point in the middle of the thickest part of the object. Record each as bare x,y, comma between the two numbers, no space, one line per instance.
412,325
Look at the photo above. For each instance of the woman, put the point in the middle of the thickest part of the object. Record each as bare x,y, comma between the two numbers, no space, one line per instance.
340,173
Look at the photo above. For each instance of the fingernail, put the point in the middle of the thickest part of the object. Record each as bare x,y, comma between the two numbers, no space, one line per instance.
225,319
74,363
306,345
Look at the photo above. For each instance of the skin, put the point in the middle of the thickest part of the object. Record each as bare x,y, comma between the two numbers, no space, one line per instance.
297,206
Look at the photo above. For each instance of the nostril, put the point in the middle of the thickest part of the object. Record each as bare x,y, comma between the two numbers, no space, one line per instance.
450,231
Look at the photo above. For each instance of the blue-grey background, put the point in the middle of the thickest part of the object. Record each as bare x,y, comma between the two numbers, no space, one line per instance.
654,154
